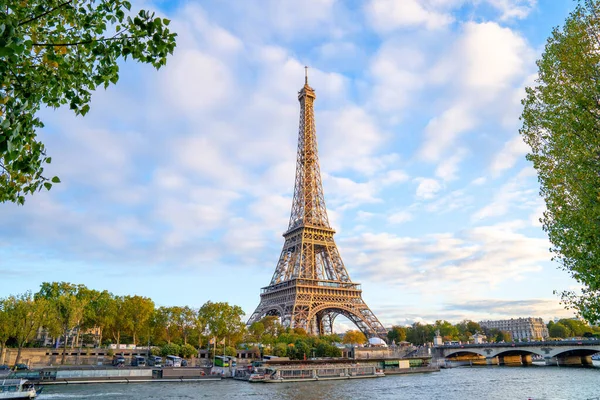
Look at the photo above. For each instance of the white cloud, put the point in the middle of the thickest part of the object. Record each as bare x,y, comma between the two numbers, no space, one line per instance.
512,151
441,132
483,67
196,82
448,167
388,15
479,258
400,217
516,193
428,188
513,9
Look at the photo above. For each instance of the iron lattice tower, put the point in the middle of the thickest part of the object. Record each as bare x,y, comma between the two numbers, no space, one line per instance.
310,286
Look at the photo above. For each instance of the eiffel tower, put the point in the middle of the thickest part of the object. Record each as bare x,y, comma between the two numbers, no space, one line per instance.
310,286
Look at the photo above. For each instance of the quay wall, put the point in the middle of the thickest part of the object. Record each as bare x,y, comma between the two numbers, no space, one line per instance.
43,357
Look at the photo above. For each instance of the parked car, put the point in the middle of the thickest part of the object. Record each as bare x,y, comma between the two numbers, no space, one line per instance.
154,361
4,367
118,361
184,362
138,361
20,367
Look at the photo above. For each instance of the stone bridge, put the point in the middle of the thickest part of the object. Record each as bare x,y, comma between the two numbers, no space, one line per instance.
564,352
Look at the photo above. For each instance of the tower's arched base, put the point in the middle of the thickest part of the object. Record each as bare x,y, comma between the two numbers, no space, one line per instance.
314,305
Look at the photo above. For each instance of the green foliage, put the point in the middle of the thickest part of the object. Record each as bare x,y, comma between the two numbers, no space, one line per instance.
155,351
137,313
561,124
170,349
419,334
558,330
223,320
327,350
187,350
56,52
503,336
280,349
230,351
397,334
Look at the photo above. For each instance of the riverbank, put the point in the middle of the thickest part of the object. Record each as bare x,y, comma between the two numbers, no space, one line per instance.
490,383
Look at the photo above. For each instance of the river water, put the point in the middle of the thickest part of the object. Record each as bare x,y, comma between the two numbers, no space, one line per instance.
464,383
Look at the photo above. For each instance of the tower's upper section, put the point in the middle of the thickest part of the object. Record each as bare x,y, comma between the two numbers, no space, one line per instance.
308,206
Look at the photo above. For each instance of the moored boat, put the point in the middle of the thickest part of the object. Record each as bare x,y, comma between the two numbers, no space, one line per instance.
17,389
316,372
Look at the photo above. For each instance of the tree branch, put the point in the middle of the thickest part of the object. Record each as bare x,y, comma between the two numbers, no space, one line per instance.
83,42
44,13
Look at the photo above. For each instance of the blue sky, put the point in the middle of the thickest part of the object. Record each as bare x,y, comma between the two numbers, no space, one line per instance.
178,184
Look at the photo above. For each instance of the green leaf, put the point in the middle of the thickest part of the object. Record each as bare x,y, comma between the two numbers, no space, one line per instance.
49,160
6,51
47,185
56,179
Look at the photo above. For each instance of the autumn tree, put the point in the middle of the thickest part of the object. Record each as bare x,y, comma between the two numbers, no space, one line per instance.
561,124
354,337
56,52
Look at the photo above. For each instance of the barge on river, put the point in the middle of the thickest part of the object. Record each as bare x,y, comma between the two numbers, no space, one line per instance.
313,372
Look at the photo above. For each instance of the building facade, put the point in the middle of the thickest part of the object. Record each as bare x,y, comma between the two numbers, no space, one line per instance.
519,328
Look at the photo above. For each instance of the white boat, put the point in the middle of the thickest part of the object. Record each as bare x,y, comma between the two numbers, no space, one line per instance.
17,389
315,372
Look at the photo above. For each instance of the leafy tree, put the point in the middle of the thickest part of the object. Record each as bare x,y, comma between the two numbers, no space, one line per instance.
354,337
466,329
397,334
447,330
575,327
187,350
223,320
138,312
170,349
56,52
503,336
558,330
66,307
419,334
6,324
280,349
256,331
27,315
100,311
230,351
561,124
119,323
324,349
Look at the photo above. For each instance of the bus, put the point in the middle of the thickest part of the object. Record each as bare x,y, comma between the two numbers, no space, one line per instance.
221,361
232,361
173,361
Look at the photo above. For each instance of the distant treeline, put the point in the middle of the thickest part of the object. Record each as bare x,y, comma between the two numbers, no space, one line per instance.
79,316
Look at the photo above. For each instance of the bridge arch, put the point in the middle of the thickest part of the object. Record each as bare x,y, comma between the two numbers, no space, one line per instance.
519,352
464,352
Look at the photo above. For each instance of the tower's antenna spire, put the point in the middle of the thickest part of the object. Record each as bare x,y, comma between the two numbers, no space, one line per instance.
306,75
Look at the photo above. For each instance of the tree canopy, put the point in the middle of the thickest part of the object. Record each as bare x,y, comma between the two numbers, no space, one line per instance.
56,52
561,124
